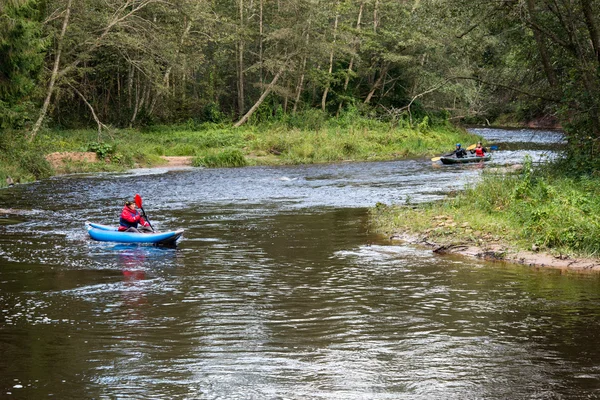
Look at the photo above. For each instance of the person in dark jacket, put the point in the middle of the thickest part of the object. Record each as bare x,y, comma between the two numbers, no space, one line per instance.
459,152
132,221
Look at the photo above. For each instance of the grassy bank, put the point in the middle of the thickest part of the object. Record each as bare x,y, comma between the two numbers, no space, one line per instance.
533,210
313,140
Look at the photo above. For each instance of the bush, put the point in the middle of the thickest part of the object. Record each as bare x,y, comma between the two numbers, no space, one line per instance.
35,163
225,158
102,150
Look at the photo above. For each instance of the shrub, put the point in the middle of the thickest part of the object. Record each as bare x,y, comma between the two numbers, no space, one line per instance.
102,150
225,158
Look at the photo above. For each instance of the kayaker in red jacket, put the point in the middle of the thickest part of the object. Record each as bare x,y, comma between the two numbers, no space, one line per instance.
130,218
480,150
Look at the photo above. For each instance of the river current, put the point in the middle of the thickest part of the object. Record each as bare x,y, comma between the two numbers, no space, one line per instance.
280,290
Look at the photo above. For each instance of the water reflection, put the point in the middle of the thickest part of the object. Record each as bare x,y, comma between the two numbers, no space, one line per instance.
132,266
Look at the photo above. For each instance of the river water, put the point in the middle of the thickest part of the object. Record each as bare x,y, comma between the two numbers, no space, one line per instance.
279,290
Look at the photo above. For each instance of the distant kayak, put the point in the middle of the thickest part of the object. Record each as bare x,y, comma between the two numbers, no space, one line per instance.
106,233
454,160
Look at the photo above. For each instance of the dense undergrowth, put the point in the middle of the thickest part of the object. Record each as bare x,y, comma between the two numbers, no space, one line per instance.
544,208
304,139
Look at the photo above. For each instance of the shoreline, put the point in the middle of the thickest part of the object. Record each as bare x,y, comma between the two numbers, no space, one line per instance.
499,252
59,159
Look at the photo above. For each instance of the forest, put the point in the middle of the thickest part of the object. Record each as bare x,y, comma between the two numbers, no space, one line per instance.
101,64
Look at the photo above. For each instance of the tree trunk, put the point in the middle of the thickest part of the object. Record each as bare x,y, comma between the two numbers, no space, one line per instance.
54,75
375,16
240,61
260,100
335,25
260,42
98,122
186,31
130,77
167,75
302,73
541,44
592,28
355,47
377,83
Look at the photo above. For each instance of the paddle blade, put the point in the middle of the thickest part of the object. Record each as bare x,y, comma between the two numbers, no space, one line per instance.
471,147
138,200
494,148
434,159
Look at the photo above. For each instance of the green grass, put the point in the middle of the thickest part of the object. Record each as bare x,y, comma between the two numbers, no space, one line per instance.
532,209
293,140
222,158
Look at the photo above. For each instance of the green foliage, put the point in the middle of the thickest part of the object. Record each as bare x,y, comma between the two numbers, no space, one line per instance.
524,185
22,161
581,156
21,59
311,120
212,113
551,212
225,158
423,126
102,150
34,162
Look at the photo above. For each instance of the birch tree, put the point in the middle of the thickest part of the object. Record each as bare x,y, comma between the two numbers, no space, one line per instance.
85,40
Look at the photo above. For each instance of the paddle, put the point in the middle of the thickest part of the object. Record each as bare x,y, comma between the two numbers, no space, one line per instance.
138,202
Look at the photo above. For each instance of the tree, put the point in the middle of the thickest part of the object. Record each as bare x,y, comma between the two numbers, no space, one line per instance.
85,27
551,51
21,59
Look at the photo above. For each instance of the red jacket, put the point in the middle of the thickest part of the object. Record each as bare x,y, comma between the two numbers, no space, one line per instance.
130,219
479,151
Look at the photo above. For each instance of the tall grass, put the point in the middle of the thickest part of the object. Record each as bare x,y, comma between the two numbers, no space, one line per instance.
224,158
20,161
548,211
534,209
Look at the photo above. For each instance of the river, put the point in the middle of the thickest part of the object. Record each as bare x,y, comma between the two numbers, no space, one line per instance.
279,290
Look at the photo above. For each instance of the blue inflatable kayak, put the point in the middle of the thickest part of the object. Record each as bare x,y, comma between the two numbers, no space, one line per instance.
106,233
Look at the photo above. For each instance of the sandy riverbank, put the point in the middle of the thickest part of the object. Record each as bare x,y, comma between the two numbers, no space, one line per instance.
58,160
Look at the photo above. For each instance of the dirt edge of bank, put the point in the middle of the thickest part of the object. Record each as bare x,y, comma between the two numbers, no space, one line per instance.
502,253
57,160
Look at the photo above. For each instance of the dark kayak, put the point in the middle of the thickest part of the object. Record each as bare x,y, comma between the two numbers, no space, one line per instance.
454,160
106,233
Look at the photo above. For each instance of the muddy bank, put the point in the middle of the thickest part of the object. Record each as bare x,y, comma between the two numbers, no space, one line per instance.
498,252
59,160
177,161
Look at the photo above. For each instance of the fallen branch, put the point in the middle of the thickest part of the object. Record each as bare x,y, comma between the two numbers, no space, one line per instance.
260,100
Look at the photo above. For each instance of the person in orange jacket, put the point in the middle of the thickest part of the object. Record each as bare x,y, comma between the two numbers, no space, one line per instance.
130,218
